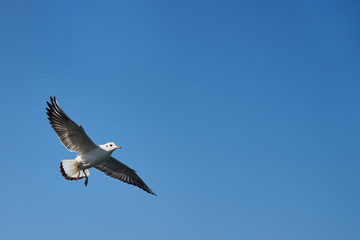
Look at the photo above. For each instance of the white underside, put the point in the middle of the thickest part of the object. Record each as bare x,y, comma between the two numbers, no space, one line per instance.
93,158
84,162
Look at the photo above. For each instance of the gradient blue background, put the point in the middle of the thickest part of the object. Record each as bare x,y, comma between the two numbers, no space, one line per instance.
243,116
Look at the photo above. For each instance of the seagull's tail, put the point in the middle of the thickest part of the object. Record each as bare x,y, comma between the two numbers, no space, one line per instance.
70,170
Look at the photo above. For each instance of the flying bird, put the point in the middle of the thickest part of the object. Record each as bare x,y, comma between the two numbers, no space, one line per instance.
89,154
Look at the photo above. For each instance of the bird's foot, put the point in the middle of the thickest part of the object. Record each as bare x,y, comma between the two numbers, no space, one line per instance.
86,179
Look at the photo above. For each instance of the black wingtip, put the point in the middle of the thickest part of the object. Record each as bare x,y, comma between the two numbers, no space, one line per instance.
147,189
152,192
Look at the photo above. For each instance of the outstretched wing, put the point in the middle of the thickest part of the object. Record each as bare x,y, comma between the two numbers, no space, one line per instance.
118,170
71,135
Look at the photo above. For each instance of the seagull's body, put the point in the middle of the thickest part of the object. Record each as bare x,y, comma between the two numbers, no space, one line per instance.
89,154
93,158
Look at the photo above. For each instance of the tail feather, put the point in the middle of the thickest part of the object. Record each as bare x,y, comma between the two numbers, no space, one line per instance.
70,169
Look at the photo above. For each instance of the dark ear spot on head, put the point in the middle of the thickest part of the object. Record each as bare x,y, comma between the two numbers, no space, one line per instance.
106,145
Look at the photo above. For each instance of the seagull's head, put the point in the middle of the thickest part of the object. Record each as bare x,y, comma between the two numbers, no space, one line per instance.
110,147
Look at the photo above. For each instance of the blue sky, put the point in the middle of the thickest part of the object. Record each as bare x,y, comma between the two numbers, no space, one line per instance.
243,116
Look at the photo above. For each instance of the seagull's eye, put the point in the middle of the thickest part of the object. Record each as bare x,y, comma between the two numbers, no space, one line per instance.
110,145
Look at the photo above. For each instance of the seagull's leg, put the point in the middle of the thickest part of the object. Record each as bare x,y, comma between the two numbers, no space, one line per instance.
86,179
77,177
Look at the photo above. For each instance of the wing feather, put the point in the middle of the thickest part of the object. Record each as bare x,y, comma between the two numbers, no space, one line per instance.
70,134
118,170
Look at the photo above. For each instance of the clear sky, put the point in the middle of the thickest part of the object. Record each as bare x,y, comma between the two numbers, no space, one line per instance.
243,116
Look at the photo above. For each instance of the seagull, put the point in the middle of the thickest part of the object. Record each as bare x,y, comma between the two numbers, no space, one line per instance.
89,154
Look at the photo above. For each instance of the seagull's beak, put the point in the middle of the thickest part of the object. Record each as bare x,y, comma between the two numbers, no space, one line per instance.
117,147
